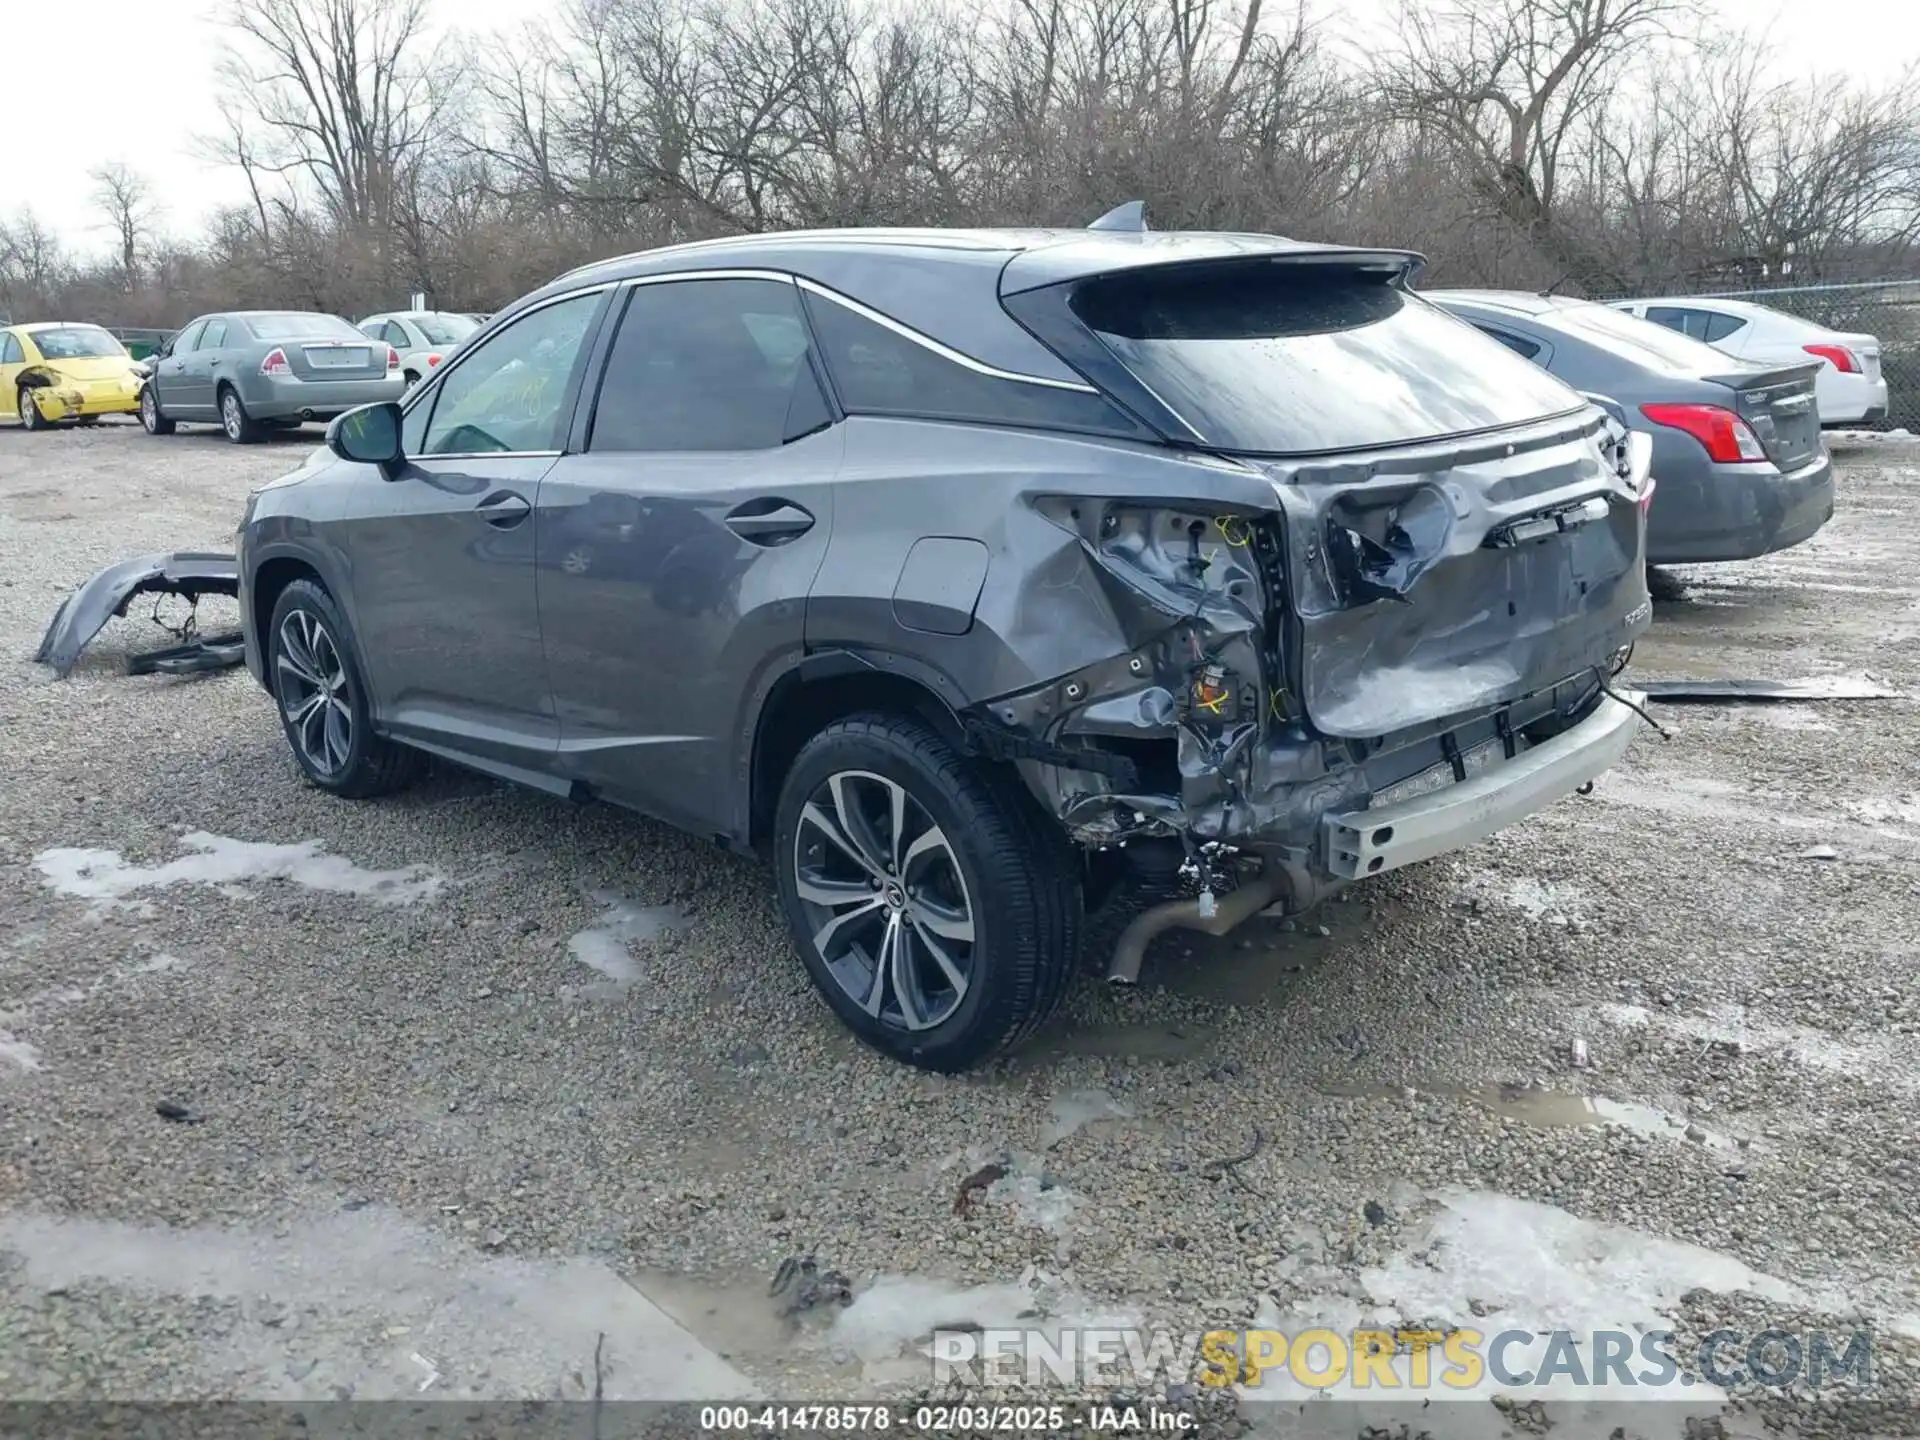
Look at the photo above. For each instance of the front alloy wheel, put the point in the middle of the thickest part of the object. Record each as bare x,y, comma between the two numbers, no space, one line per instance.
892,920
311,680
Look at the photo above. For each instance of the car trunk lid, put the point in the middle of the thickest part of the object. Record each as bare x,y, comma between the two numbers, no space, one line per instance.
1457,533
1778,405
1450,580
337,359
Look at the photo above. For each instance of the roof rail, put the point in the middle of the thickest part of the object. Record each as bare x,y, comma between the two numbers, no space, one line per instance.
1130,218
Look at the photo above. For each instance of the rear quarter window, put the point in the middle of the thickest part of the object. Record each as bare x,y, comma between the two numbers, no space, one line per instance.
1291,358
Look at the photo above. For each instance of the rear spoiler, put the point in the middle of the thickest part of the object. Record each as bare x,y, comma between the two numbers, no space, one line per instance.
1766,377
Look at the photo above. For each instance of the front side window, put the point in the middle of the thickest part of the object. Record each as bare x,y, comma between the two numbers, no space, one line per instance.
509,394
877,371
1268,357
708,365
185,342
76,342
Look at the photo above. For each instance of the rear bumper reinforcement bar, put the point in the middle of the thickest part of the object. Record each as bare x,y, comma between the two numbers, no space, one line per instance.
1371,842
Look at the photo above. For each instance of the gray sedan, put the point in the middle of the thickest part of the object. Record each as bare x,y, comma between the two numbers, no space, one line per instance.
250,371
1736,446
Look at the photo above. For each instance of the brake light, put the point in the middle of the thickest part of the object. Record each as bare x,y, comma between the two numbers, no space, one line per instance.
275,363
1728,439
393,358
432,360
1837,356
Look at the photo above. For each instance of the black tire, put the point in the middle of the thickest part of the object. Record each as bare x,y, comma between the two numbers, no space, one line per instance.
151,420
30,415
240,427
362,764
1018,881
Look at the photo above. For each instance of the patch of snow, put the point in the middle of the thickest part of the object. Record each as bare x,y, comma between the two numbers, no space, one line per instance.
606,945
217,860
1536,899
1036,1202
18,1053
1873,1060
1077,1109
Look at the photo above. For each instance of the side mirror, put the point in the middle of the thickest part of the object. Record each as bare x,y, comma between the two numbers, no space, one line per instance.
370,436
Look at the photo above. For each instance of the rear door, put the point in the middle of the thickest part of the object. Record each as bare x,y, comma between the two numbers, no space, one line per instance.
676,551
1456,537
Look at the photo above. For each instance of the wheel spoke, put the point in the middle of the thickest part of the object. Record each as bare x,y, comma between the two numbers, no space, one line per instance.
313,733
833,927
897,828
882,967
833,893
906,985
289,664
337,737
955,977
943,920
929,840
853,824
820,820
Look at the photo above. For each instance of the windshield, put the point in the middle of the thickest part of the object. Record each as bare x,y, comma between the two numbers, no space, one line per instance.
1652,345
76,342
1289,358
295,326
445,329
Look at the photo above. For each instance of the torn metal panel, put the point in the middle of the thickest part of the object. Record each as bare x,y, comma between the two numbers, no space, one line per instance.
189,574
1714,692
214,652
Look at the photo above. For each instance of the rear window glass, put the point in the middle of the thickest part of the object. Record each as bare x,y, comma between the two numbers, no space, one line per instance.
1642,341
1296,359
76,342
294,326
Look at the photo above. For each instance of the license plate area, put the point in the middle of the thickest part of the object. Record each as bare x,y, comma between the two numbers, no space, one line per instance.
337,357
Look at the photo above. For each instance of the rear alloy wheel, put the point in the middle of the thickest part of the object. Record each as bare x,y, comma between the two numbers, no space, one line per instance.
323,703
936,912
150,417
241,428
30,415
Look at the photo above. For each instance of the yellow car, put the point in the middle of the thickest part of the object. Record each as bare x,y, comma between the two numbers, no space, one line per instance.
56,371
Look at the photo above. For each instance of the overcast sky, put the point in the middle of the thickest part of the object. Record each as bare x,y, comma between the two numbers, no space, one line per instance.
140,86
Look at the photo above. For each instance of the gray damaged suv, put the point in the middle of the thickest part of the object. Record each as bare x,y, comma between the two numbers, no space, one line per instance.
1018,594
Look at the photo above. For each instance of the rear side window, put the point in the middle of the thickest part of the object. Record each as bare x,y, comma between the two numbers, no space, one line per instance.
1286,358
1707,326
215,335
1646,343
708,365
1525,349
877,371
10,351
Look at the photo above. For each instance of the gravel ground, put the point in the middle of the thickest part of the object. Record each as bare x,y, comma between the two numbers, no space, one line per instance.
471,1072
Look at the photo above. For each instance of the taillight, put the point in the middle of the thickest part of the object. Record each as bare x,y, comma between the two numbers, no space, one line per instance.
1837,356
432,360
1728,439
393,358
275,363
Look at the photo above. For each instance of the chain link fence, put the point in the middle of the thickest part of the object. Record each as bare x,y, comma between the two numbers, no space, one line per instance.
1889,310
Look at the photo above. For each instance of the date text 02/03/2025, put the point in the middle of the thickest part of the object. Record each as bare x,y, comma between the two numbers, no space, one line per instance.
944,1419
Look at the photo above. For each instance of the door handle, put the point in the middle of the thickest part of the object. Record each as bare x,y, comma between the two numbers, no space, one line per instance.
503,509
769,522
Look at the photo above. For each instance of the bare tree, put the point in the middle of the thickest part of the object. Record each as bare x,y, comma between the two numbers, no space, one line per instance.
126,201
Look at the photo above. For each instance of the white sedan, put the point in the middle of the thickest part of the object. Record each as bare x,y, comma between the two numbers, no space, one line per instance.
1849,388
423,338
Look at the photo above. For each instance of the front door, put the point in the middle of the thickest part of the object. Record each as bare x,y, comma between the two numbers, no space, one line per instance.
172,384
442,555
676,551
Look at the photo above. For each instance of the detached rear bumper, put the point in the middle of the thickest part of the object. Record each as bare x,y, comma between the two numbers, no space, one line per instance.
1360,843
